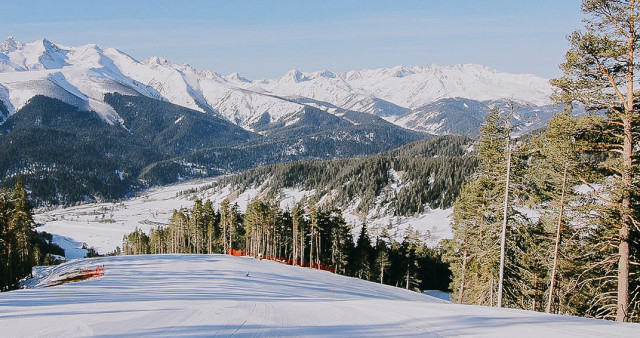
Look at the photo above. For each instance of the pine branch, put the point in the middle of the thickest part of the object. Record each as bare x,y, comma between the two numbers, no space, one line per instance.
594,190
612,81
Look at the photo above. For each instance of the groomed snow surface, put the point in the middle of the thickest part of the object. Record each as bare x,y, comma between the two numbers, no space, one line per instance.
218,295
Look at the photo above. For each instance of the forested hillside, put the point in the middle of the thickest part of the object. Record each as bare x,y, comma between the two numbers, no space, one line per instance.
405,181
68,155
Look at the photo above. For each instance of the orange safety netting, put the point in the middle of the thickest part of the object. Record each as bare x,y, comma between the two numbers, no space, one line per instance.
97,272
329,268
77,275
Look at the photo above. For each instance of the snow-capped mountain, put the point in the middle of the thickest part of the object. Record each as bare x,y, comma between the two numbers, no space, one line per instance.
410,87
82,75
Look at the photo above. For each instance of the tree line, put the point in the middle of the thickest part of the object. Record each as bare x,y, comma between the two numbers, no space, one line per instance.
304,235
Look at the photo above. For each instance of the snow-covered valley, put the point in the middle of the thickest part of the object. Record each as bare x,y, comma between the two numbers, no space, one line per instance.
102,225
218,295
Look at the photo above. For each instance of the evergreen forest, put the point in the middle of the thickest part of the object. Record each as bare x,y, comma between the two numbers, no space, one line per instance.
409,180
305,235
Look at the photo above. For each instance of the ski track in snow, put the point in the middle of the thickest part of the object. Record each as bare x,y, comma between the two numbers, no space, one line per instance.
210,295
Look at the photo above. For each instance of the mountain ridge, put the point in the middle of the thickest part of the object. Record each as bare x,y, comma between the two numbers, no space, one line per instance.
82,75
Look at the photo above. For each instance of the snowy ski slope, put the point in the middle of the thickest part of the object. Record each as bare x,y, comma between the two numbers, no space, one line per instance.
216,295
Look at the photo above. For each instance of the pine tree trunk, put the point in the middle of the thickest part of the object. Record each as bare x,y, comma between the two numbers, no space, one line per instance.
505,218
224,236
623,248
558,237
302,248
295,241
318,249
535,293
627,179
311,249
464,275
407,286
491,293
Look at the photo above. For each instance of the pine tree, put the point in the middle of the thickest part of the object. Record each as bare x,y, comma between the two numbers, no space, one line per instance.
479,252
553,174
473,252
298,234
225,221
211,225
599,72
382,259
362,255
6,240
23,226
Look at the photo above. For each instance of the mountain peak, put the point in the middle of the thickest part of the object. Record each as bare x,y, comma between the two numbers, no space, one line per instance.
295,76
156,60
400,71
327,74
472,67
10,44
237,77
48,45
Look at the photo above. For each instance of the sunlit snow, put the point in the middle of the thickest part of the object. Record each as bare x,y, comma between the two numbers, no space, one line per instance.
216,295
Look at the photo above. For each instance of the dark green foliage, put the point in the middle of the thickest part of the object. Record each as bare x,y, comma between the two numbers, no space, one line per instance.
21,247
68,155
478,220
441,146
44,241
360,262
600,71
434,169
562,228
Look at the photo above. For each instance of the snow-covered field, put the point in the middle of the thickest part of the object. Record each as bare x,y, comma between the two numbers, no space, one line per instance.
217,295
102,225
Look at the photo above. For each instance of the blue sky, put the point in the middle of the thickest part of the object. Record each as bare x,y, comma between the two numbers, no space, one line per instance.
264,39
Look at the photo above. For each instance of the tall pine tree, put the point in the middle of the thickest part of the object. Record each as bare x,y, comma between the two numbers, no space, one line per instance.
599,72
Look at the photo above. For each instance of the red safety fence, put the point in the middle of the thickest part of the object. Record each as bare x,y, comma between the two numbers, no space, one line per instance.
297,262
77,275
97,272
237,253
